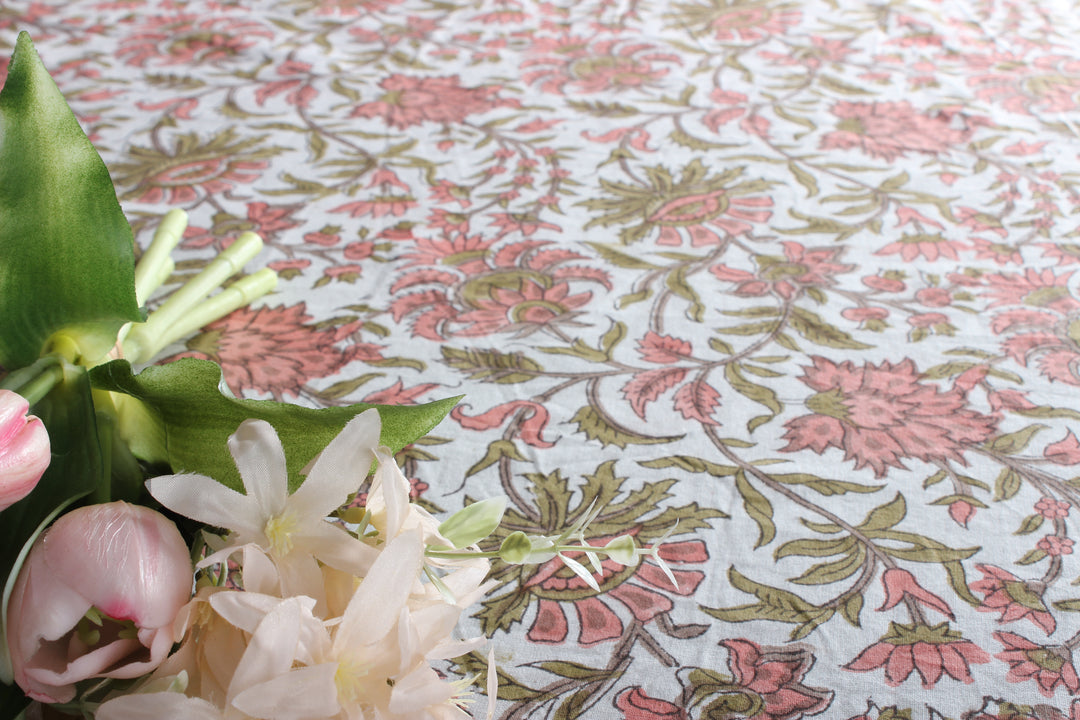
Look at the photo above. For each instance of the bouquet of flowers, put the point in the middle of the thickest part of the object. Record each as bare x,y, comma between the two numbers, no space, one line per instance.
168,550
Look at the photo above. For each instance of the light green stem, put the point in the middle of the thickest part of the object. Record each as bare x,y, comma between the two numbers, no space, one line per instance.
35,382
242,292
146,339
155,265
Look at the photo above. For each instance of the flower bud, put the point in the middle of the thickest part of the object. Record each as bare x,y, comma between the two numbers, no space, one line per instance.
623,550
96,597
472,524
515,548
24,449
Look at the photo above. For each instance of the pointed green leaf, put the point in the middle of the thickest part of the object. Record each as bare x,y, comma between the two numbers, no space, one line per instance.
66,250
196,419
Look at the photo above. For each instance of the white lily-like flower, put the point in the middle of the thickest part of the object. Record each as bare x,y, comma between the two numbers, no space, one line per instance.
377,661
290,529
263,684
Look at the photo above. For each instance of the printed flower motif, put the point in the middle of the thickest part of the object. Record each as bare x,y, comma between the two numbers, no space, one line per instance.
176,177
800,268
1055,546
1013,597
776,675
1032,289
1064,452
273,350
1052,509
605,66
642,590
636,704
412,101
96,598
931,246
1022,84
888,130
736,20
189,39
534,303
901,585
880,414
933,651
697,204
1049,666
24,449
291,529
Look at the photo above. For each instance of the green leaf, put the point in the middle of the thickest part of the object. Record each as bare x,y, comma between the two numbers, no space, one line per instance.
597,425
197,419
1012,443
1067,605
66,249
1030,524
813,328
758,507
1008,483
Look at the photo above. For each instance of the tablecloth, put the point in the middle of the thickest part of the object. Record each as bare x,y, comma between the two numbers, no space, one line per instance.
785,289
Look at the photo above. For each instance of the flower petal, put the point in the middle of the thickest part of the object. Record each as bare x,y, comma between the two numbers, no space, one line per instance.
271,650
153,706
339,470
207,501
259,457
307,692
377,602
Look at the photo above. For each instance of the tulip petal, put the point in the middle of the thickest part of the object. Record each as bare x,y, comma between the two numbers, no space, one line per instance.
340,469
127,560
259,457
24,449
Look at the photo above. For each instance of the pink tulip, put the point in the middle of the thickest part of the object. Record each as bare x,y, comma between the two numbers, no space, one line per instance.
24,449
97,597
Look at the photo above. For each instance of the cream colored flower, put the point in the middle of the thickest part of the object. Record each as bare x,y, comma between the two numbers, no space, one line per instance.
291,530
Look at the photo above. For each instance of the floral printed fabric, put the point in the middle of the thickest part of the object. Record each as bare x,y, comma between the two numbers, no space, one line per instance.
794,282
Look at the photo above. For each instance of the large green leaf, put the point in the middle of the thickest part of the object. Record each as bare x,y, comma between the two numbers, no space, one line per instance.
66,249
189,419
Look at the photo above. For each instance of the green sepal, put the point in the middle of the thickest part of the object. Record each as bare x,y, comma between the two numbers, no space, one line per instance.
67,268
194,419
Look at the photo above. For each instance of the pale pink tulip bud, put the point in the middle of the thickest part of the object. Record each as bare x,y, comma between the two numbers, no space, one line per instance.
24,449
97,597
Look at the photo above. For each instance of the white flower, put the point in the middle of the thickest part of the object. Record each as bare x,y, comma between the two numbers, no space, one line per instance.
264,683
291,529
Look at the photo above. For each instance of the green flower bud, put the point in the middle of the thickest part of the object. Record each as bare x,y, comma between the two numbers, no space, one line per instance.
623,550
472,524
515,549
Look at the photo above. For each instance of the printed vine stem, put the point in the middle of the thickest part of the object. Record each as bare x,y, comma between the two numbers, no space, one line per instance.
619,660
1040,479
506,473
914,611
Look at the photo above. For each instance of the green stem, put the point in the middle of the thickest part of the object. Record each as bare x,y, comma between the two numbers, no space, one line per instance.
144,340
155,265
36,381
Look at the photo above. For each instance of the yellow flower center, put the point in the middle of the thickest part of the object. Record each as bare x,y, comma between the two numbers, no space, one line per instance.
349,681
279,530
